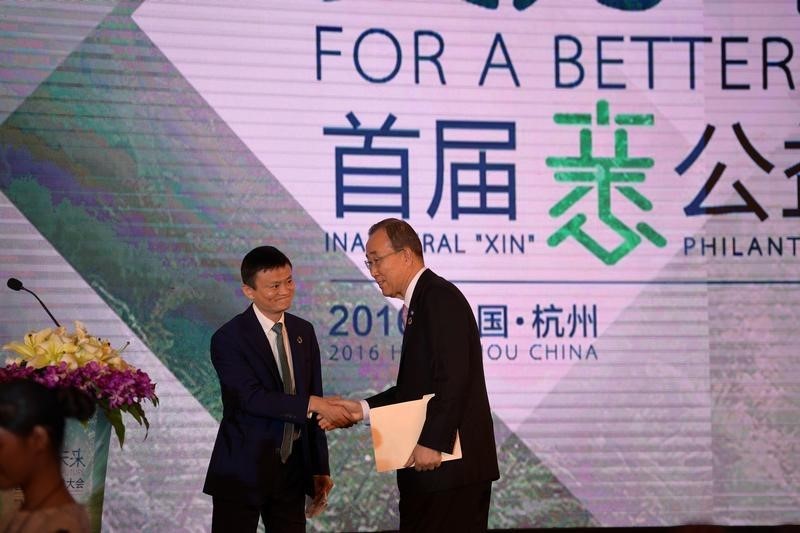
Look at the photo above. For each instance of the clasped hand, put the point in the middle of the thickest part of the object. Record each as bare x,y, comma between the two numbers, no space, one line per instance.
341,413
334,412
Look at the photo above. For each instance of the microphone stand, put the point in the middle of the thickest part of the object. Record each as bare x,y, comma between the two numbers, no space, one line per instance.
16,285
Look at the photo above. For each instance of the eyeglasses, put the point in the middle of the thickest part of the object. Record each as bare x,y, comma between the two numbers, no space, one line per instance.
369,263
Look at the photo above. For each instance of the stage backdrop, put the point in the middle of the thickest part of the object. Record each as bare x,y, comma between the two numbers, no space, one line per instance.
613,184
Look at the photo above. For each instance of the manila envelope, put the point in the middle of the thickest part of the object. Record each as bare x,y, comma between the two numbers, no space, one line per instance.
395,431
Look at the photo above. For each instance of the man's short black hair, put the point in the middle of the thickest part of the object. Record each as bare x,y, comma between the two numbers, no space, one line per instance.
401,235
262,258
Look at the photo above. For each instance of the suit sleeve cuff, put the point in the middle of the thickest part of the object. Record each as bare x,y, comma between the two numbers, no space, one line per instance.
365,410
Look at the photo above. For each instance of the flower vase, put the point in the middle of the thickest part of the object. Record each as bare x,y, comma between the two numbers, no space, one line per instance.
83,463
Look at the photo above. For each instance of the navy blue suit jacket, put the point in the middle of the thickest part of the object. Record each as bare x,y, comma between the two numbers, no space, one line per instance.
254,408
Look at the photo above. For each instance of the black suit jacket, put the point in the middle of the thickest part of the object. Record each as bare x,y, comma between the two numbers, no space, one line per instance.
254,408
441,354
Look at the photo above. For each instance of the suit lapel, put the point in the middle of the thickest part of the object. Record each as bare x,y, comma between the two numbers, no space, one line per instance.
422,284
411,323
262,354
299,346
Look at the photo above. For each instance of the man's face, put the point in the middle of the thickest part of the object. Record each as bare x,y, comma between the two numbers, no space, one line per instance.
273,292
387,266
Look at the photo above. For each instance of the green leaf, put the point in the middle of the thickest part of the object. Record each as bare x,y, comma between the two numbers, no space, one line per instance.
135,411
115,418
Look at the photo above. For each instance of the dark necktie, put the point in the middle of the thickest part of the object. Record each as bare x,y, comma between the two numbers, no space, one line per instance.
288,388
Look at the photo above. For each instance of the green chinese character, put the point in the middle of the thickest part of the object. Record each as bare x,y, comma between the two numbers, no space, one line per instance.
588,171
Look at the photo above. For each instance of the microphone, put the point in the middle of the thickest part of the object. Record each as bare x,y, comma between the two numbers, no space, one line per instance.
16,285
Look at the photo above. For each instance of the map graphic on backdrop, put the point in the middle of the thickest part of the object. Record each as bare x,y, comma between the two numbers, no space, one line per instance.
616,191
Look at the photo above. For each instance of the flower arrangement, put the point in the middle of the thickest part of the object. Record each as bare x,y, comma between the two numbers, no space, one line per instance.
56,358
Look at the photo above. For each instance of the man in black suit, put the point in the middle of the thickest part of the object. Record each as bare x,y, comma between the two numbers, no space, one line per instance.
269,453
441,354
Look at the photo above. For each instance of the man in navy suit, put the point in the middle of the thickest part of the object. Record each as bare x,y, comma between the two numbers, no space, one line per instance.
269,452
441,354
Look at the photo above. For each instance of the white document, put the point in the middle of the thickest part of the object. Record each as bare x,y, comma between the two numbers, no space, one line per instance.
395,431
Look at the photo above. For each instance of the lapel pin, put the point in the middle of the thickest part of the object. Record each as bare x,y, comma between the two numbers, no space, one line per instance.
299,340
410,317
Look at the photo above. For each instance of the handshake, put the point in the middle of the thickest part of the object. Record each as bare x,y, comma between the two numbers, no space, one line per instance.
334,412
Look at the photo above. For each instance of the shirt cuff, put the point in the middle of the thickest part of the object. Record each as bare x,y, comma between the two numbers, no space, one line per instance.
365,410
